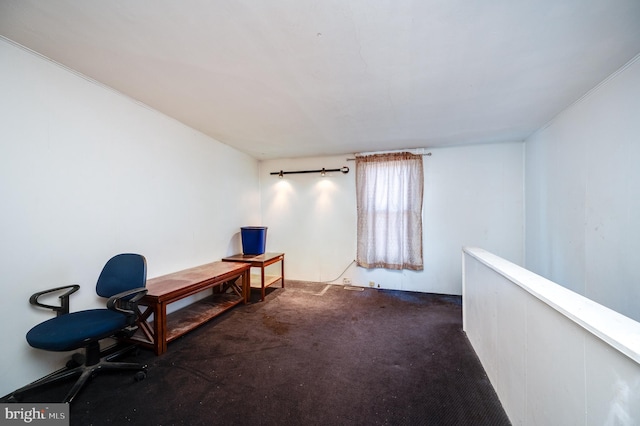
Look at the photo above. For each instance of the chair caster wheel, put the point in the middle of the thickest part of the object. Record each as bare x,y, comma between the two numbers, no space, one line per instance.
76,360
140,375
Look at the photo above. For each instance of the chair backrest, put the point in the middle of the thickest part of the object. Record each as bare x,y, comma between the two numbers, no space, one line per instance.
121,273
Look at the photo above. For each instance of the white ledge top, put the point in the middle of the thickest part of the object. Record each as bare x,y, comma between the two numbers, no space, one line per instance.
617,330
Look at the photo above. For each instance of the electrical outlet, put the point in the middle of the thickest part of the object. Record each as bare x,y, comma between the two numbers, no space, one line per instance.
372,284
346,281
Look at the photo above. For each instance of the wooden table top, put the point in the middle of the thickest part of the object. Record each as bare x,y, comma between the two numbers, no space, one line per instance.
170,285
252,257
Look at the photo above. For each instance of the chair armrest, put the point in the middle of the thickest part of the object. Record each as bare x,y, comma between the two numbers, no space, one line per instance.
64,299
127,301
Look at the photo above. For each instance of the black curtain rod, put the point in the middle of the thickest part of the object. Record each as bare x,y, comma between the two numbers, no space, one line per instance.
322,171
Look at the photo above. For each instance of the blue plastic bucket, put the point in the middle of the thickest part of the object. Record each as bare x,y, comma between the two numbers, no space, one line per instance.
254,239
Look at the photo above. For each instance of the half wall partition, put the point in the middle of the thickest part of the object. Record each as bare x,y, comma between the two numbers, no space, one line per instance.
553,356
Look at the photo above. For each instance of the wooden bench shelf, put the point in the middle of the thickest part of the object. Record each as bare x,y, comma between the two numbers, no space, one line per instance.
268,280
186,319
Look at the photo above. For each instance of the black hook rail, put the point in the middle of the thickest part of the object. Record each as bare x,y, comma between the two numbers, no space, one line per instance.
322,171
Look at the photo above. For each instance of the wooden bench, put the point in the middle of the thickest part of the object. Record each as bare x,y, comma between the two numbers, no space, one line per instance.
162,291
261,261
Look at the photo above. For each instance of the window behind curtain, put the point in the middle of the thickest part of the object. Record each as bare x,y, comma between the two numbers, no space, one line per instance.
389,191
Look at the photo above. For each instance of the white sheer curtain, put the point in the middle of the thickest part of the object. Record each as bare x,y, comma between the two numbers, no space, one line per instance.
389,190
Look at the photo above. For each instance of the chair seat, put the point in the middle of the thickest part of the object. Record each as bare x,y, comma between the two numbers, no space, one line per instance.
72,331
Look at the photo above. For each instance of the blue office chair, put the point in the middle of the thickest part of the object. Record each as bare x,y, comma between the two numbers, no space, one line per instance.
122,281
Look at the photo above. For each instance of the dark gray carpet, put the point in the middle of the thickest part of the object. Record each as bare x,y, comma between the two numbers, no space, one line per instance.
308,355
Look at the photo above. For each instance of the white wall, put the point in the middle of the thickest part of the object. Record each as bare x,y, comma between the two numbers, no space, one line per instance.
309,218
86,173
553,356
473,195
583,195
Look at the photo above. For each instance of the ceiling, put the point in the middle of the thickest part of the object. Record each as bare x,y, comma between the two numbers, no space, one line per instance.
296,78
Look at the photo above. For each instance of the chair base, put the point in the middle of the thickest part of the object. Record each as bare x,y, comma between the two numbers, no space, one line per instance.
93,364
